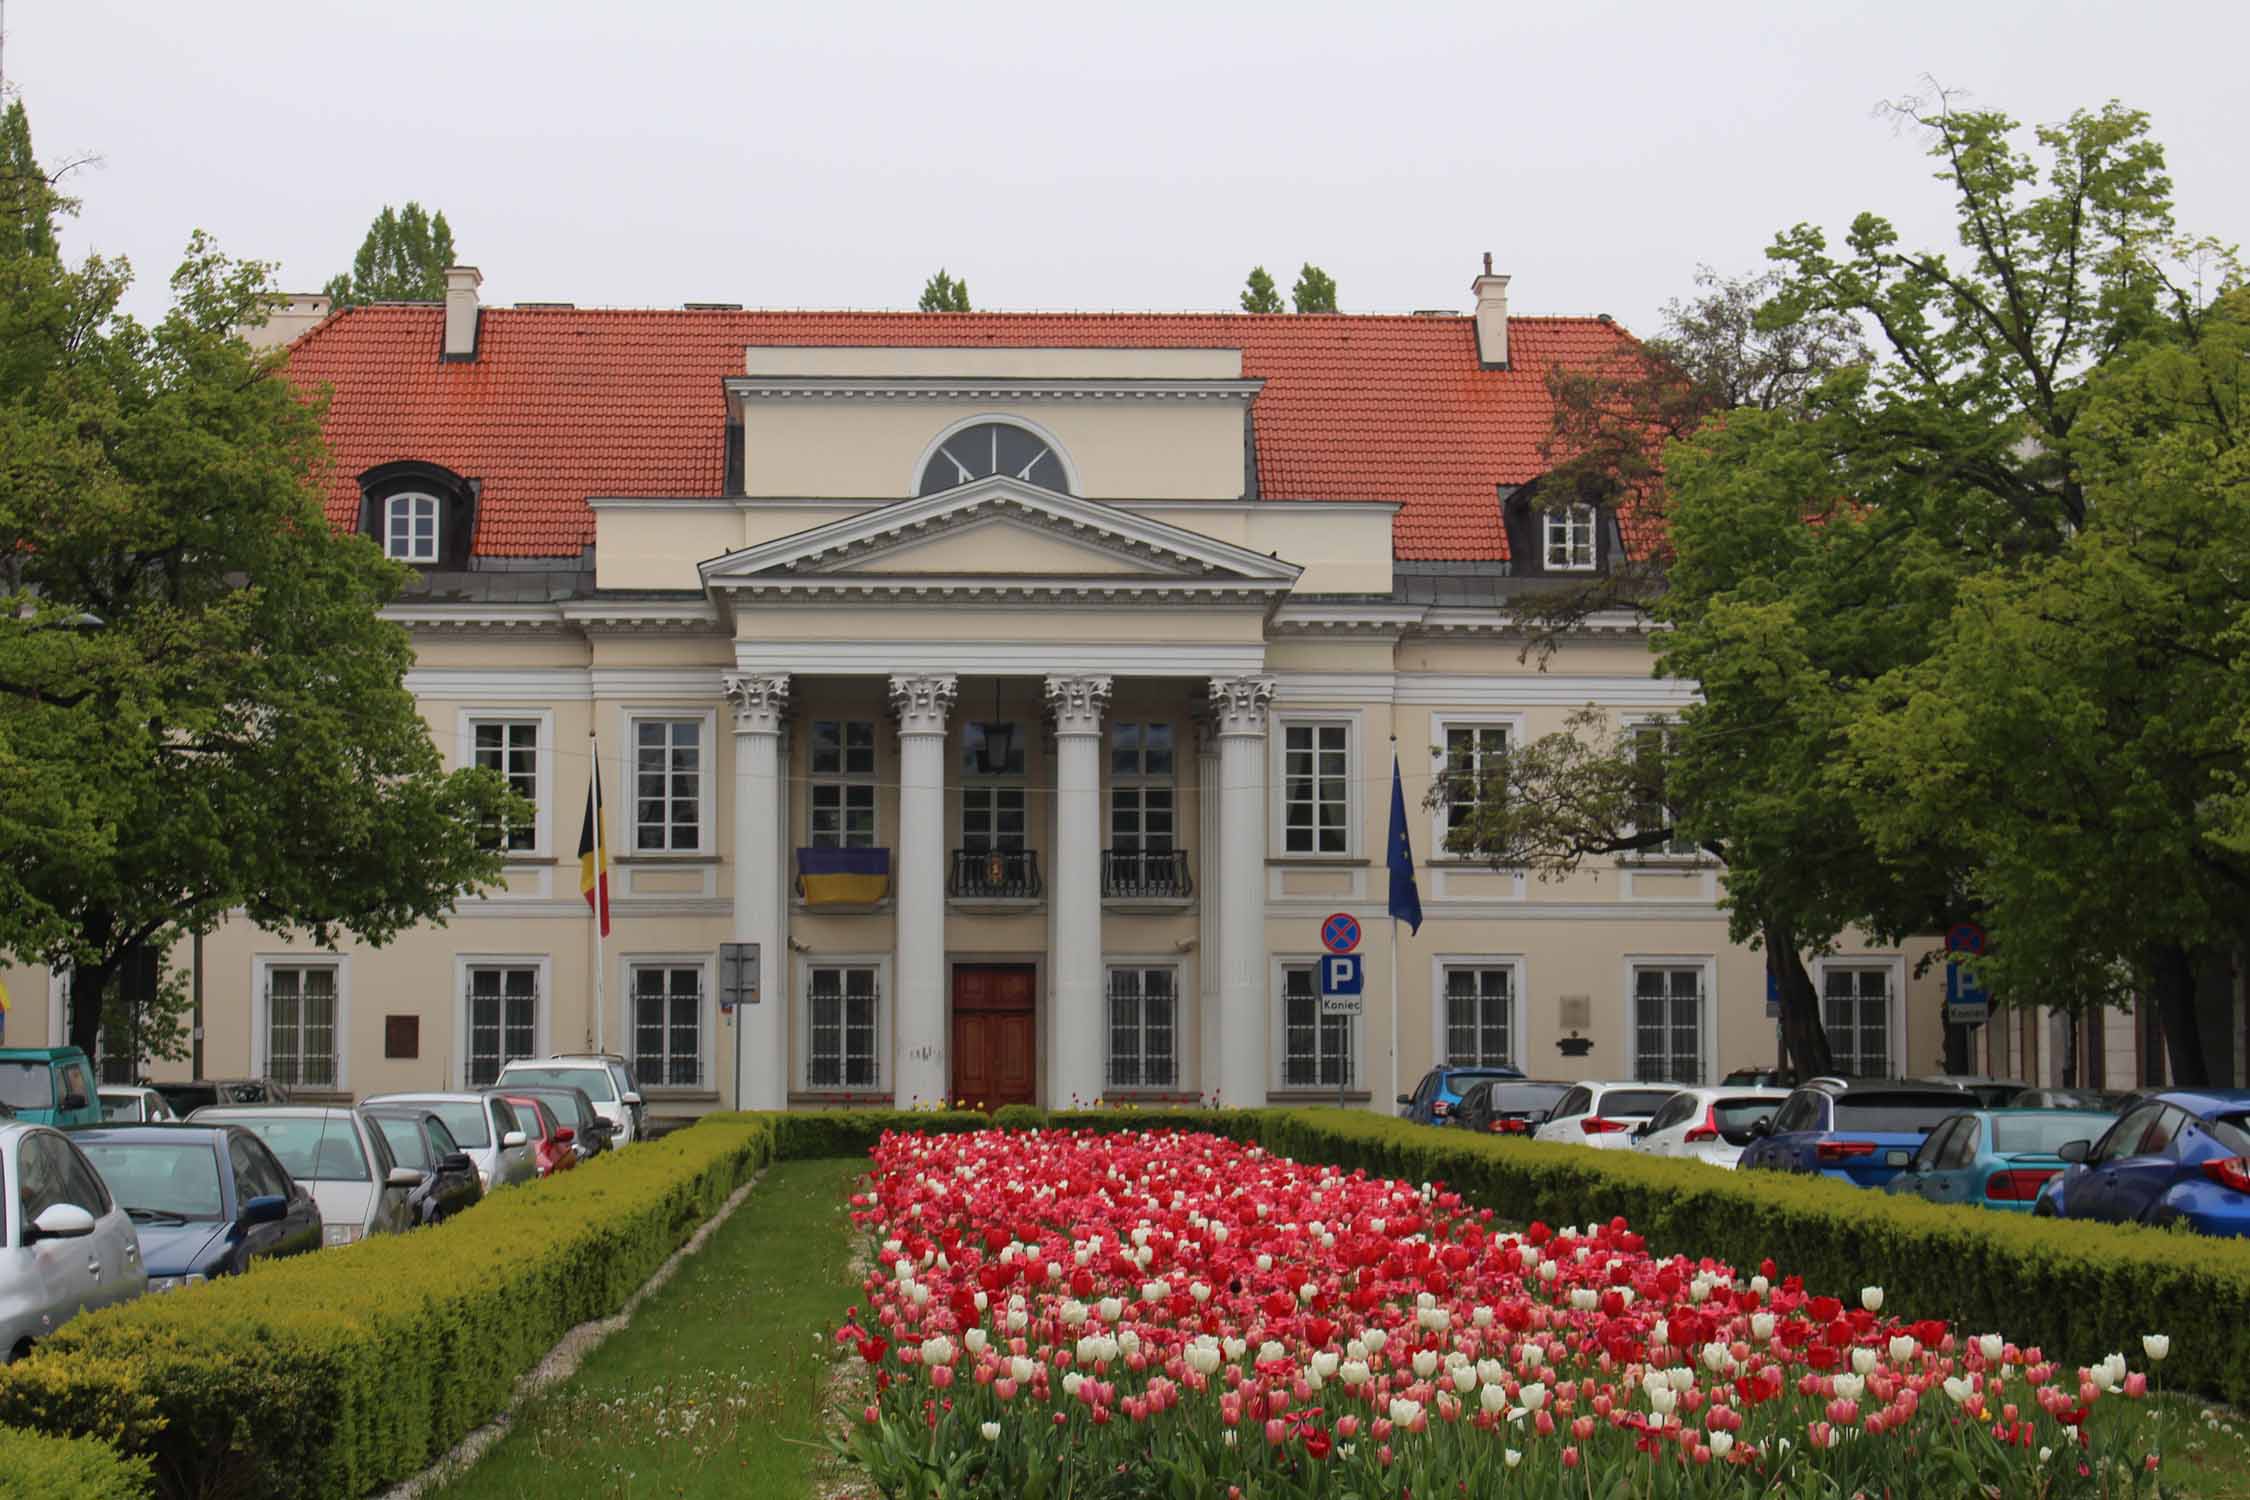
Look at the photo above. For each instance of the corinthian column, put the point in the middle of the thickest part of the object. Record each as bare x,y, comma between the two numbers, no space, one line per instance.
920,1073
1238,712
761,1031
1077,1028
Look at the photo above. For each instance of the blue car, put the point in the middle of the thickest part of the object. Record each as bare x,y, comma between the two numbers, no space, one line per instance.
2182,1156
1433,1098
205,1200
1999,1158
1863,1131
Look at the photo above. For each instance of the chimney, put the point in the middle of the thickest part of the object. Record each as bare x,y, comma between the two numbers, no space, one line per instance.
461,284
288,317
1492,317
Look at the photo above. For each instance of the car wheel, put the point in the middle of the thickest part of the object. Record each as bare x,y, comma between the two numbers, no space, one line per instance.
2044,1208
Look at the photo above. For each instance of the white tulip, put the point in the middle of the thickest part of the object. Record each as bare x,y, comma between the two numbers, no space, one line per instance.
1717,1358
1111,1309
937,1351
1761,1326
1353,1373
1871,1298
975,1339
1512,1457
1269,1351
1265,1262
1548,1270
1863,1361
991,1431
1324,1363
1021,1369
1760,1285
2156,1345
1404,1411
1071,1382
1680,1378
1464,1378
1199,1292
1425,1363
1533,1396
1962,1392
1481,1317
1990,1345
1201,1354
1155,1291
1235,1348
1849,1387
1903,1349
1721,1444
1375,1339
1662,1400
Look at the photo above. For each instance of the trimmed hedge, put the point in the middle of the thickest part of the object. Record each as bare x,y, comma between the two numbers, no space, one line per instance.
67,1468
334,1373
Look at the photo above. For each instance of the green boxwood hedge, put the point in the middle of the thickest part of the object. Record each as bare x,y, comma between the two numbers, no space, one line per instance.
66,1468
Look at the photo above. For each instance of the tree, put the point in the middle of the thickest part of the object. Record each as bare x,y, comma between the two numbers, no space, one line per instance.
1259,294
27,200
403,259
205,711
941,293
1315,291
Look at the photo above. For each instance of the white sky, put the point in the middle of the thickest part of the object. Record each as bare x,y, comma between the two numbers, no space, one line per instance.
1141,155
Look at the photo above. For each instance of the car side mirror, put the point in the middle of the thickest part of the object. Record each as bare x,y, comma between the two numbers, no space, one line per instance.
63,1221
457,1162
403,1177
565,1133
632,1101
1406,1100
2074,1151
73,1101
266,1208
1762,1126
511,1140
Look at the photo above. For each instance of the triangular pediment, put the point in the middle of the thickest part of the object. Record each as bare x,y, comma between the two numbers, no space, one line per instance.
1007,531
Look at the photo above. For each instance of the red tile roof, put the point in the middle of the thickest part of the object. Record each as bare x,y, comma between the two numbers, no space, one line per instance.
561,404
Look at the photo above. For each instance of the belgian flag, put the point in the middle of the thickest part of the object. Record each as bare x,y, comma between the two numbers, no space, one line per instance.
593,854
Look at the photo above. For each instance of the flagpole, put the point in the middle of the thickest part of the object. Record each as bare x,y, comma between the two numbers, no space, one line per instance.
601,903
1394,1007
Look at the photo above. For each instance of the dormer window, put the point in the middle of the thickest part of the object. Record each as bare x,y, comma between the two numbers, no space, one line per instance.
989,448
410,528
1570,535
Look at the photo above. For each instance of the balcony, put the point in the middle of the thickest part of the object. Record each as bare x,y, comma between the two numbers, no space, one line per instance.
1146,875
998,875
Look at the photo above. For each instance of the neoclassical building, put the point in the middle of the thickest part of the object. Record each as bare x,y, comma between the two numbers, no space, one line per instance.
1025,686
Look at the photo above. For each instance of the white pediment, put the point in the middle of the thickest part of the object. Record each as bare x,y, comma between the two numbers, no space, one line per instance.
1000,546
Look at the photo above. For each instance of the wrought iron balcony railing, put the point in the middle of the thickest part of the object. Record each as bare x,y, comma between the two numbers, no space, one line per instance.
1146,874
995,875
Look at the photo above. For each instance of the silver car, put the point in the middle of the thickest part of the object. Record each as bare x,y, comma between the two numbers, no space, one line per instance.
606,1079
339,1157
65,1244
485,1126
134,1106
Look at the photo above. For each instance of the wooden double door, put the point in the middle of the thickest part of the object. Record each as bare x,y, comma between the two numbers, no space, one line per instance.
995,1034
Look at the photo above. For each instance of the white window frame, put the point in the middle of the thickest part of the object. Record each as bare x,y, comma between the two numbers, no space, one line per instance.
705,1017
1678,852
622,795
413,553
1518,1009
1141,781
1012,419
886,1003
262,966
1277,794
991,785
871,779
466,720
1440,723
542,1015
1707,1022
1355,1030
1893,966
1141,963
1563,524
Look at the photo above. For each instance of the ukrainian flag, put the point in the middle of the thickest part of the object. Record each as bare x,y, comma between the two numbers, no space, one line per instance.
843,877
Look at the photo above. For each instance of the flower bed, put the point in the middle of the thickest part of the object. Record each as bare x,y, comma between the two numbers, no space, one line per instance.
1165,1313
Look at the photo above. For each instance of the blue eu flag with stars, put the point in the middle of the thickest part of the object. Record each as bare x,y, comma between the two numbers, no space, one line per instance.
1406,901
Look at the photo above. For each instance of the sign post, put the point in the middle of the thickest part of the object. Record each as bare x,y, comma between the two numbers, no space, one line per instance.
1342,978
1967,1002
738,986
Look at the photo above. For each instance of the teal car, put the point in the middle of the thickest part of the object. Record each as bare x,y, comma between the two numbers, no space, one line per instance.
1996,1158
49,1086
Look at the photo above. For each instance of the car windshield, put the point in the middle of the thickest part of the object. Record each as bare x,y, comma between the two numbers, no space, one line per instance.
1896,1114
595,1081
1632,1104
565,1106
1526,1098
26,1085
2041,1134
311,1150
405,1140
164,1177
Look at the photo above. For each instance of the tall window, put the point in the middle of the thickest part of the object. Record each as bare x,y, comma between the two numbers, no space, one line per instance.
1652,746
1316,788
410,528
1855,1006
503,1005
1570,538
1143,1022
1316,1050
301,1025
511,747
843,1015
843,786
1479,1015
668,785
1668,1025
1475,755
992,794
668,1025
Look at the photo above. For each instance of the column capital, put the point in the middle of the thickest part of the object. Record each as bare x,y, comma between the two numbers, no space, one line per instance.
1239,704
922,703
1076,703
759,699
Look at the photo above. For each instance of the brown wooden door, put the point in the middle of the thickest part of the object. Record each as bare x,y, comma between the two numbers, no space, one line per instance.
994,1034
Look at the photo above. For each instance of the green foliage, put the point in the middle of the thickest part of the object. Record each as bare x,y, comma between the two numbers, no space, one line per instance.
942,293
63,1468
403,259
28,204
1019,1117
1259,294
1315,291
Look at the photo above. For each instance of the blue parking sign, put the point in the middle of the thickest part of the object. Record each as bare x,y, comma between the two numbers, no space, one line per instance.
1341,974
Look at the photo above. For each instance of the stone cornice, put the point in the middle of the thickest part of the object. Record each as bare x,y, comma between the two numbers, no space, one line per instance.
1003,592
983,388
645,617
481,619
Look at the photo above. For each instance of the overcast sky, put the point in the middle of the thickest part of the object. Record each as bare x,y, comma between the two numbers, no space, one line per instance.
650,152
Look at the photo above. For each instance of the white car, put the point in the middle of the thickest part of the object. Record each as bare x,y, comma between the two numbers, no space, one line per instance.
1602,1115
65,1244
1711,1125
484,1126
338,1156
134,1106
606,1079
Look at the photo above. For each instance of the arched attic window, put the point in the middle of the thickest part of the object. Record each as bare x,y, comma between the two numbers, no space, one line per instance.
983,449
418,513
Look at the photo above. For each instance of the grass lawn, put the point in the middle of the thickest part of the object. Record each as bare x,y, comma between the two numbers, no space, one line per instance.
2206,1448
716,1387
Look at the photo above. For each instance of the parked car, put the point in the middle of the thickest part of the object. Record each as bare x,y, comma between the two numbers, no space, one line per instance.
1999,1158
1862,1132
1440,1089
339,1155
205,1200
134,1105
186,1096
419,1139
2181,1156
1992,1093
49,1086
1506,1106
1602,1114
607,1080
1760,1078
551,1140
65,1244
485,1126
2108,1101
1708,1125
574,1108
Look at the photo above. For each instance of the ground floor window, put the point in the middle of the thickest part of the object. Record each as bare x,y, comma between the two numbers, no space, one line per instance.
301,1025
1316,1050
1668,1024
1855,1006
1479,1015
1143,1028
503,1018
668,1025
844,1007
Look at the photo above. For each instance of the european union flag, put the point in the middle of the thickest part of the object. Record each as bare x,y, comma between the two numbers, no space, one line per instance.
1406,900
